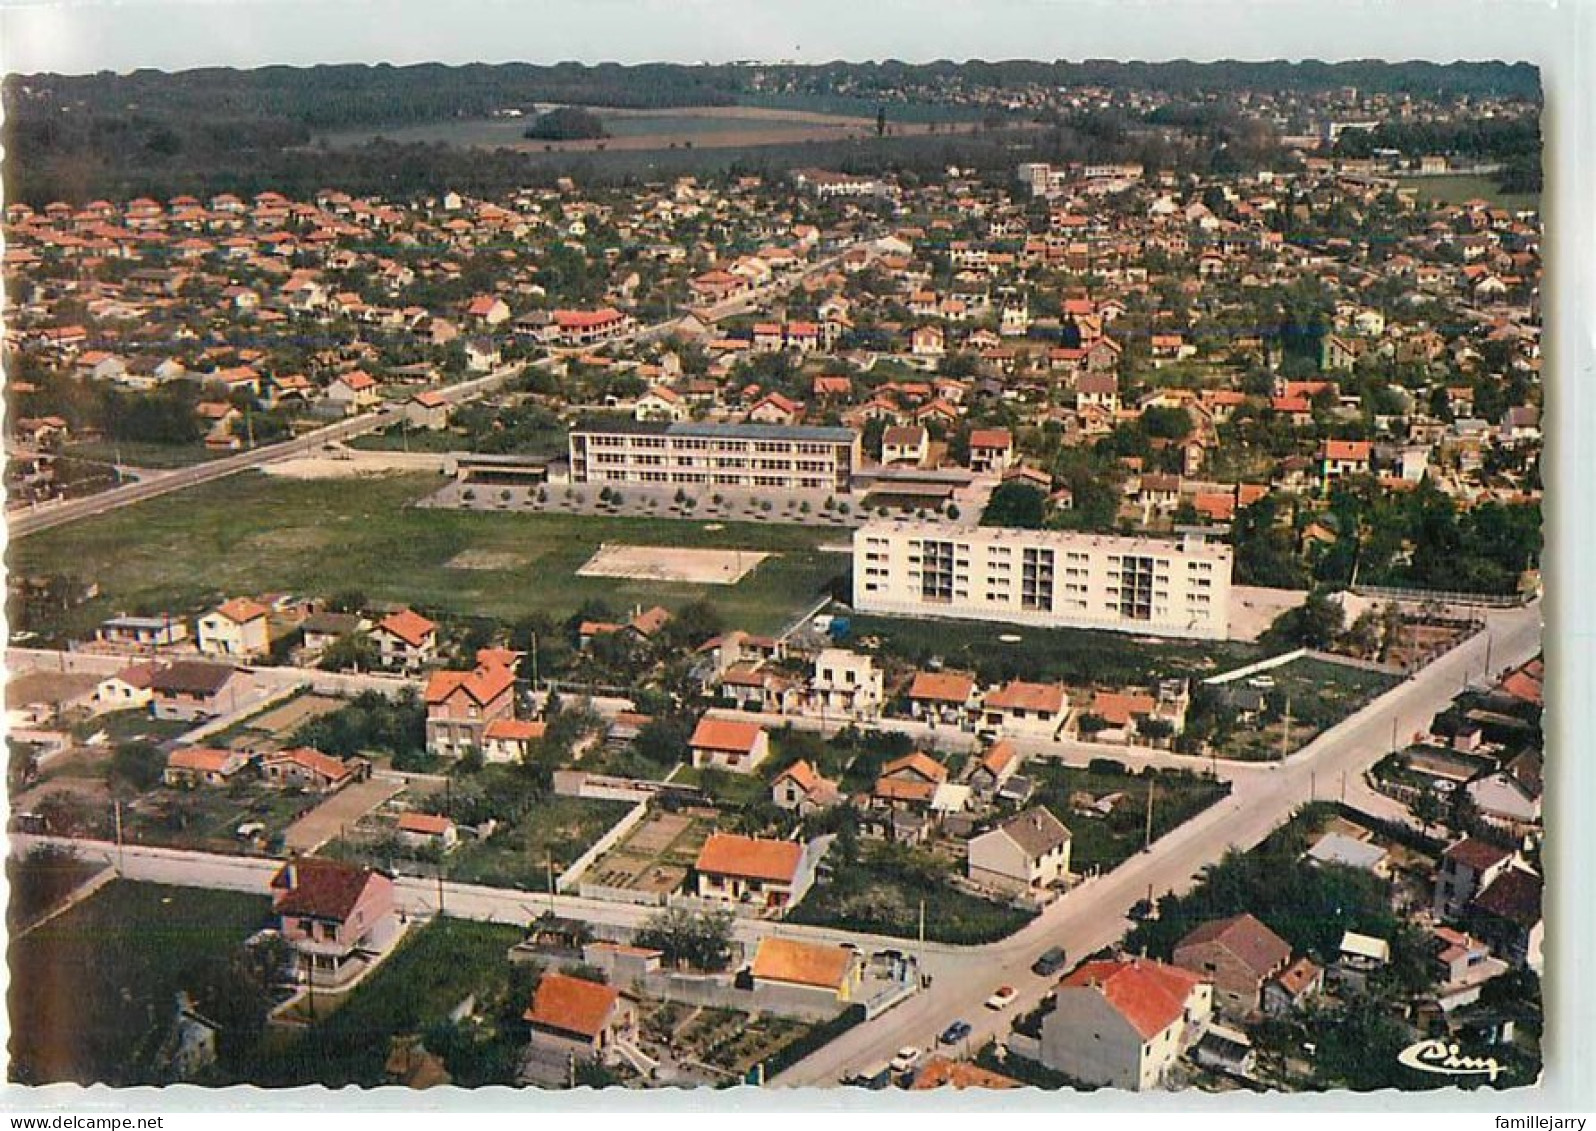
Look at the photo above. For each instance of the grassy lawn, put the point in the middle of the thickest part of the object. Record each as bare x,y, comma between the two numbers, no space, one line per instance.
207,819
561,828
1320,694
1104,842
155,456
251,533
41,880
131,726
434,970
1076,656
882,893
92,990
1462,188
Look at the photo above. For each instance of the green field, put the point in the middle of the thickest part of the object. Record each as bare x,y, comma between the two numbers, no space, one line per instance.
92,990
1102,843
252,533
435,969
159,456
1069,655
1462,188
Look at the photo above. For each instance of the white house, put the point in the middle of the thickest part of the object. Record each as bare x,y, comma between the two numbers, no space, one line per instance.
845,684
1123,1023
728,744
1029,850
236,628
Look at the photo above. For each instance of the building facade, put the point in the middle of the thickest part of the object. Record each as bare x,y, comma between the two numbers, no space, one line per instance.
1157,587
749,456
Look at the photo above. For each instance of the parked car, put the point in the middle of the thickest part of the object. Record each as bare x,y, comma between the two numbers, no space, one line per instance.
1003,998
955,1033
1050,962
907,1058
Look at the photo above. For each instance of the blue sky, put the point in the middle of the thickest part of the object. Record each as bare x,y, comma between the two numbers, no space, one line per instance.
89,35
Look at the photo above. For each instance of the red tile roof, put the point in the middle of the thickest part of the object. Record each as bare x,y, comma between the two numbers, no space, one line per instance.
241,610
942,687
572,1005
429,823
1017,695
322,889
726,854
411,627
1255,945
1149,995
725,734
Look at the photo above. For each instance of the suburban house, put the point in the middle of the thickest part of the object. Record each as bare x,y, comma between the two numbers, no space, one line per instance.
406,641
996,767
313,770
143,632
833,970
203,765
905,444
1507,914
352,392
1238,955
1027,710
128,689
1293,988
461,705
845,684
1359,957
991,450
1123,1023
769,874
321,631
428,410
1467,868
943,697
338,917
910,782
728,744
1029,850
186,690
574,1015
1343,457
427,830
800,788
511,740
235,628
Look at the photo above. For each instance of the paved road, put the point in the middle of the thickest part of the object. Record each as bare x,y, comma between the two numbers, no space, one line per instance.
22,523
1094,915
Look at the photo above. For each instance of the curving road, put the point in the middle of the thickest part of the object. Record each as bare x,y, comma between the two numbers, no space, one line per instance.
1094,915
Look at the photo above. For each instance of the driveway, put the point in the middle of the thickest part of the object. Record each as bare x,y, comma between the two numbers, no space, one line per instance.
339,812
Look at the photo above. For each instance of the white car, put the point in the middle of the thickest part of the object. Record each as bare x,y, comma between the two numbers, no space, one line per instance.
1003,998
907,1058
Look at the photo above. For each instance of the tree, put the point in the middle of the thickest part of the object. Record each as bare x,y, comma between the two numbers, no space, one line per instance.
698,939
1016,504
137,766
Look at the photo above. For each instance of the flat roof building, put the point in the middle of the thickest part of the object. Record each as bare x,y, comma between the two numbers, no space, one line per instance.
750,456
1046,578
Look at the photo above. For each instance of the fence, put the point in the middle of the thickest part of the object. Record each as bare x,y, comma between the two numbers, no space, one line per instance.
604,843
1252,669
1444,596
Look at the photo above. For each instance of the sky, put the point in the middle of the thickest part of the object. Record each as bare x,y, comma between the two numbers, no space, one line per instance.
78,36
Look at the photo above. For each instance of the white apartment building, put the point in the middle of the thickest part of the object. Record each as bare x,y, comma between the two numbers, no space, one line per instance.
757,456
1047,578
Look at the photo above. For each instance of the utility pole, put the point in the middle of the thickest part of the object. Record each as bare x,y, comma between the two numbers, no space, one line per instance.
121,862
534,665
1313,785
1285,735
549,865
1343,785
440,891
1148,841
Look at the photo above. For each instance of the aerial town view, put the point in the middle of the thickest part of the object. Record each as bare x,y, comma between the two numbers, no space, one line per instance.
850,575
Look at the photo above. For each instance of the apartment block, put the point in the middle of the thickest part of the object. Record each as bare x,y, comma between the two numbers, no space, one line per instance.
750,456
1158,587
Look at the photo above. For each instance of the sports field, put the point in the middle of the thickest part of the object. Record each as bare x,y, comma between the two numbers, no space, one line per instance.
672,563
252,534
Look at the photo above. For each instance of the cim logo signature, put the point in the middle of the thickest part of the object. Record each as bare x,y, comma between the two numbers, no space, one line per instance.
1439,1058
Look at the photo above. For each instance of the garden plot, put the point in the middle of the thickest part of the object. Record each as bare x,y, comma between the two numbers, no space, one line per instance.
656,857
672,563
